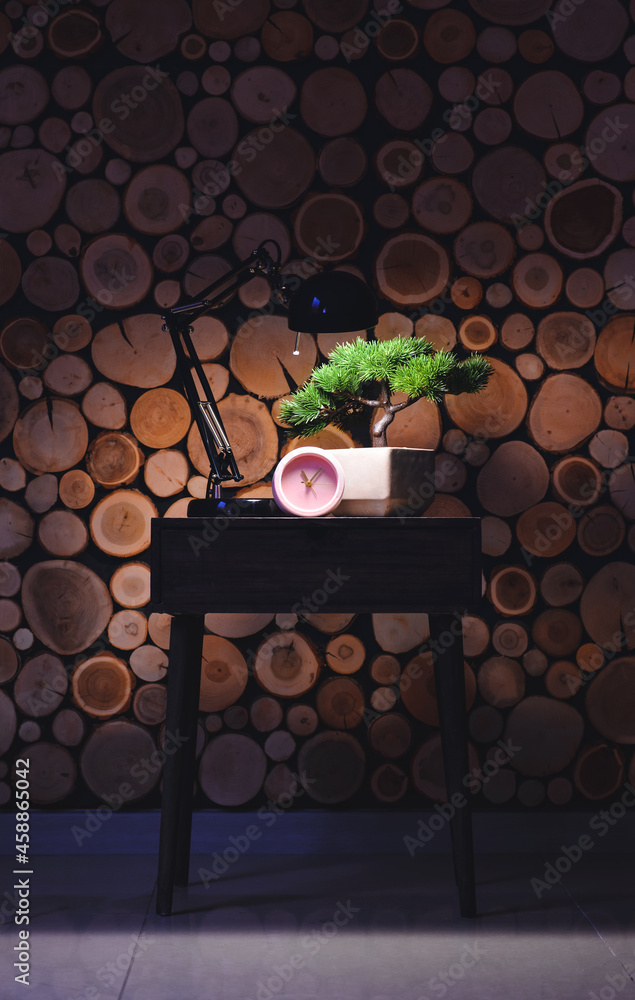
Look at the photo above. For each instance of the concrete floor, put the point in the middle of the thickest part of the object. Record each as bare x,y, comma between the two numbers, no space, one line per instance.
325,926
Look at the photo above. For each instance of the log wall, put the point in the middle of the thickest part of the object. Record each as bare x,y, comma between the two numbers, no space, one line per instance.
474,162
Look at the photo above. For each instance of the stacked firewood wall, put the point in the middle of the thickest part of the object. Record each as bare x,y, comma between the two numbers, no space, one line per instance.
473,161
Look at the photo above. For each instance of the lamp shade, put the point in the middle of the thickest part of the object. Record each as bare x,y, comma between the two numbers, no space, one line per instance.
332,302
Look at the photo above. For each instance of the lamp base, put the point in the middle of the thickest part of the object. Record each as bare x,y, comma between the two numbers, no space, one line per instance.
236,507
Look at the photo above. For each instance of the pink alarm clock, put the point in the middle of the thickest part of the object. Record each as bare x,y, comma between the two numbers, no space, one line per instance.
308,482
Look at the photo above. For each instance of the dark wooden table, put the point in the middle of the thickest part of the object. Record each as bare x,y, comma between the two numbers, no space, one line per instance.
274,564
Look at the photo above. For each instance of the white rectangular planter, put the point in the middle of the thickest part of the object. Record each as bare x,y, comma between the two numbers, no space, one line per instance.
384,481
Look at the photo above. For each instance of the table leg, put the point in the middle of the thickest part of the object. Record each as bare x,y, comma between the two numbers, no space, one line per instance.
450,688
186,643
192,697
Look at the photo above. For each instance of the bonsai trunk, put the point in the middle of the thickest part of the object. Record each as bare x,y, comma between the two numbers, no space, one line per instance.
378,433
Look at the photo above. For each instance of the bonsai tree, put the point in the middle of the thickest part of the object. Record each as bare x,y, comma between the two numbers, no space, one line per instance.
368,373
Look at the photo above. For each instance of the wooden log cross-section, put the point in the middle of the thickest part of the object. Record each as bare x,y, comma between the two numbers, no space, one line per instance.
130,584
160,418
137,353
107,754
514,478
287,664
601,530
102,686
599,771
62,533
266,714
9,406
262,357
576,481
9,660
52,773
41,685
223,675
120,523
333,101
390,735
149,704
66,605
331,766
411,269
340,703
127,629
41,493
68,727
609,699
253,435
345,654
428,771
232,769
418,688
22,342
113,459
50,436
333,221
548,731
605,604
16,529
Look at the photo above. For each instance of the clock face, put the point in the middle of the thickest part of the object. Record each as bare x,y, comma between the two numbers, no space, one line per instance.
308,483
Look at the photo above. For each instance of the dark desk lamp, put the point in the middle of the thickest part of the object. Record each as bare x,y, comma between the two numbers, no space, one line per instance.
331,302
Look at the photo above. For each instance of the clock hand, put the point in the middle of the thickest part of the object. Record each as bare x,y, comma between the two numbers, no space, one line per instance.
308,482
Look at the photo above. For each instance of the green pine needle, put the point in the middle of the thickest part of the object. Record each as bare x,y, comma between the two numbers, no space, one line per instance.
357,371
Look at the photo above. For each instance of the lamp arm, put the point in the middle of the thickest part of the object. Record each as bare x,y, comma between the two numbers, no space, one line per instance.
177,322
258,262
